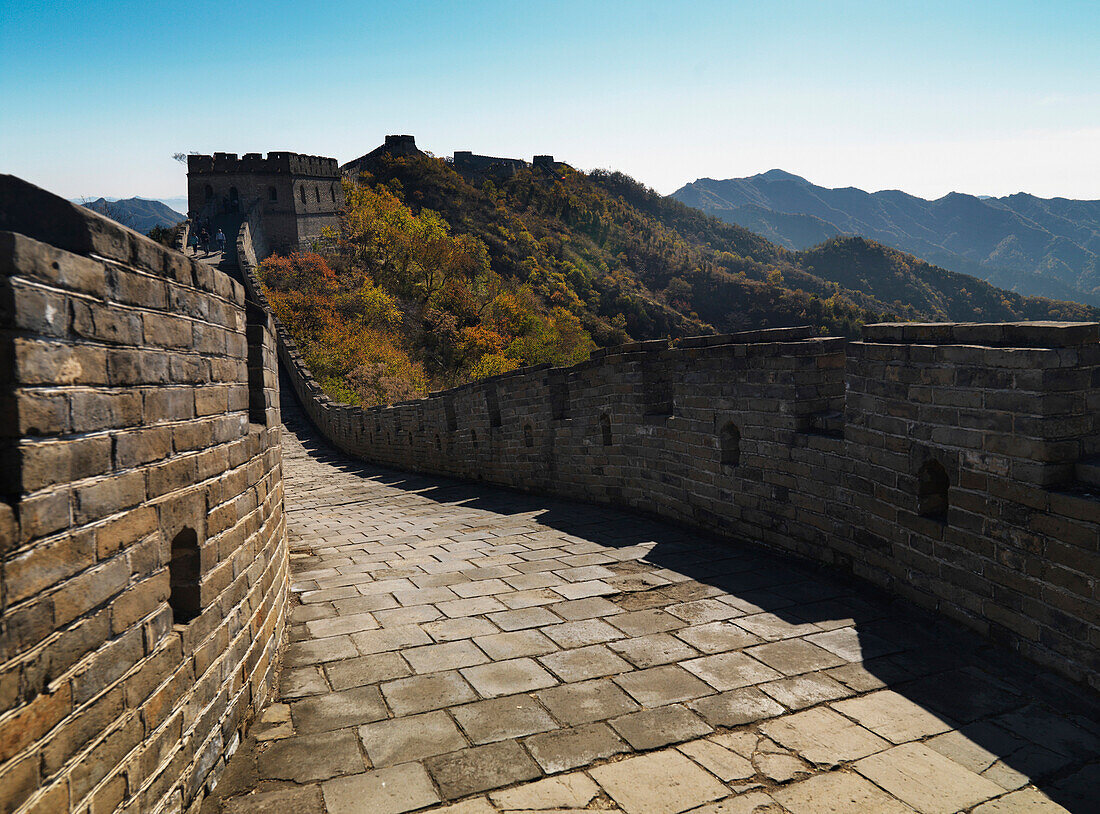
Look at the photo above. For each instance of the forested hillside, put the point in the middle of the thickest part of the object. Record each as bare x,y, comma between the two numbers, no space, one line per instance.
437,278
1048,246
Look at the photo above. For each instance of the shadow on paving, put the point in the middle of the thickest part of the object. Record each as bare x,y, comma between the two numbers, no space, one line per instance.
1013,716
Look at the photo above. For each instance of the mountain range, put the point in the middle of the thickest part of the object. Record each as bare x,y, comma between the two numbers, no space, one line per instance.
140,214
1036,246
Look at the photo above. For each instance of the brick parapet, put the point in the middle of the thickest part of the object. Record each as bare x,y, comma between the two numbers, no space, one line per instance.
831,438
126,420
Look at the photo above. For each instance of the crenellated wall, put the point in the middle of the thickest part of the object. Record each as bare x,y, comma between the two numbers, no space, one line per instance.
948,464
143,557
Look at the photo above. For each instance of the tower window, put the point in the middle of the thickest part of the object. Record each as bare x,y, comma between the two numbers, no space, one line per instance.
932,488
272,194
528,436
730,443
317,193
302,191
605,429
208,192
332,192
183,577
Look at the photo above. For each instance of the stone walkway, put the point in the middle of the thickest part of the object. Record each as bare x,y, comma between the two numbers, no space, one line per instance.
471,650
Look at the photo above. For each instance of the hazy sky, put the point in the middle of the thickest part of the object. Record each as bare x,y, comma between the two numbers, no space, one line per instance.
928,97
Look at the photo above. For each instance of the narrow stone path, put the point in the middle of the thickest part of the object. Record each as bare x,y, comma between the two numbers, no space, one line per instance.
471,650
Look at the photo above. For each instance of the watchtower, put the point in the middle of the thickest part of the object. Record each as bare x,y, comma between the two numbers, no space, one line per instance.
296,196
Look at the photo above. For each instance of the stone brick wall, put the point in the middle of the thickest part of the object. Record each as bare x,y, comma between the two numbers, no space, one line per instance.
830,451
143,558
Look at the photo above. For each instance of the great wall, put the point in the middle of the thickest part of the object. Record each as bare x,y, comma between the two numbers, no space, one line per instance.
146,579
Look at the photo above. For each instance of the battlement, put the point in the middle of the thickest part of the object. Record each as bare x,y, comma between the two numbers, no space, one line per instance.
255,163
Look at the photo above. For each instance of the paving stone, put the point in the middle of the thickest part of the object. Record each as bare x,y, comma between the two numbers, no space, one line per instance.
645,622
926,780
304,800
393,790
1061,734
837,793
779,767
823,736
338,625
512,716
475,805
891,715
530,599
298,682
701,611
1025,801
364,604
590,608
389,638
717,637
580,590
794,656
752,802
724,764
773,628
309,758
523,618
570,791
447,656
805,690
583,663
516,644
728,671
663,782
859,677
508,677
470,607
481,768
658,686
852,645
410,616
413,737
653,650
566,749
318,651
427,692
651,728
737,707
450,630
336,710
586,702
364,670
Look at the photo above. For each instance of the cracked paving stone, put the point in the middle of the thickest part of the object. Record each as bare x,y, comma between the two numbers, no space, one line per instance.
653,650
893,716
823,736
723,763
837,793
365,670
583,663
805,690
515,644
434,658
570,791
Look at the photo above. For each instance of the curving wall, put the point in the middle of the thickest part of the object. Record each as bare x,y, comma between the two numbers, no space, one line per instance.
948,464
143,556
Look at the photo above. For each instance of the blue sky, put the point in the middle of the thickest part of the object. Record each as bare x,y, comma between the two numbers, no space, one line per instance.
930,97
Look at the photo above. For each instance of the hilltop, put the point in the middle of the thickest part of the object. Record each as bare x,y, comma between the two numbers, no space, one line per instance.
1041,246
140,214
447,272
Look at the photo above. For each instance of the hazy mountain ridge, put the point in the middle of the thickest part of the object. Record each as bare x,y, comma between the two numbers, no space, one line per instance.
1044,246
140,214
